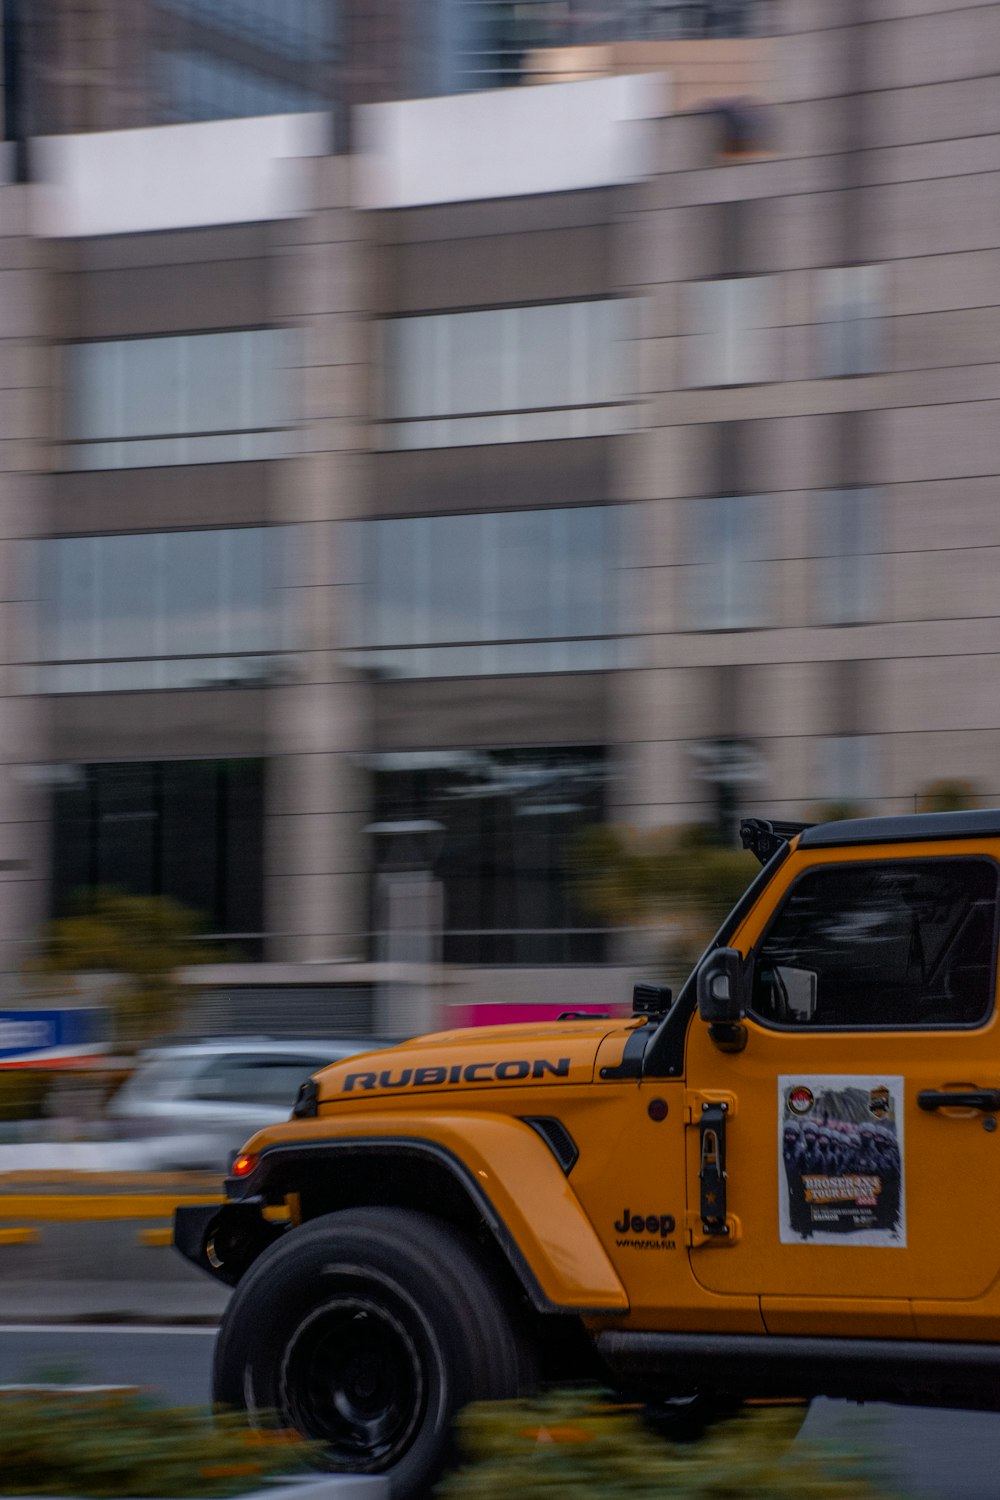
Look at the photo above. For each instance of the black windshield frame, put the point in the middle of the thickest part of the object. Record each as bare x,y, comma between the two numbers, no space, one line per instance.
663,1056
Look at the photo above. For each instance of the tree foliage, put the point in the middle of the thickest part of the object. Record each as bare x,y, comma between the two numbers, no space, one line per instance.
836,812
681,879
950,794
23,1092
144,941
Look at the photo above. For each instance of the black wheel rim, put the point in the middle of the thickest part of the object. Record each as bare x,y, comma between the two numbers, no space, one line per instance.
352,1378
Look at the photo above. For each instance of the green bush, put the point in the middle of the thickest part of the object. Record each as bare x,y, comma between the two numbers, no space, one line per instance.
23,1092
950,794
573,1446
108,1446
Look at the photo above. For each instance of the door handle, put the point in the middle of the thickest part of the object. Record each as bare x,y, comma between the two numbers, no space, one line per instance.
986,1099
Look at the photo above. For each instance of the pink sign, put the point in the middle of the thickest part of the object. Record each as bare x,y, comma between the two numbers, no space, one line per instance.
507,1015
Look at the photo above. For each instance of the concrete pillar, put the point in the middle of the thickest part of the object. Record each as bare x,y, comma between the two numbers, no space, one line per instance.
24,431
316,860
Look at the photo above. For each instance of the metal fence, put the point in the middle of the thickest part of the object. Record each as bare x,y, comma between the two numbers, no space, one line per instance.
499,38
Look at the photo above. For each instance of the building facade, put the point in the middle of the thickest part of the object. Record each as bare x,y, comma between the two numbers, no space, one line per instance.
78,65
374,523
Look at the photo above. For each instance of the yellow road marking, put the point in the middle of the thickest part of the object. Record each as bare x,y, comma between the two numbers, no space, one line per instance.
50,1178
155,1237
59,1208
19,1236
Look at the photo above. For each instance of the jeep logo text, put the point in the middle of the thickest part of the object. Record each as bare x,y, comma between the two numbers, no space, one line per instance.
661,1224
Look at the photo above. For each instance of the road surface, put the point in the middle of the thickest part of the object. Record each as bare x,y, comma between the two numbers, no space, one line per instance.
941,1454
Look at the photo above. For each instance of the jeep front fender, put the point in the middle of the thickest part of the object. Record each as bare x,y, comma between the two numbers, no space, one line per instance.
503,1166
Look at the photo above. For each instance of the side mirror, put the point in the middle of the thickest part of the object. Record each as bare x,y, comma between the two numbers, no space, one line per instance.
721,984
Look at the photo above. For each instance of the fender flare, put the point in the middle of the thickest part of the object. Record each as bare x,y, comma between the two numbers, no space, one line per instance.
561,1264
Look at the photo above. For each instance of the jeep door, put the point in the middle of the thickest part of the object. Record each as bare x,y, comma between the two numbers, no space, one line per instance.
860,1140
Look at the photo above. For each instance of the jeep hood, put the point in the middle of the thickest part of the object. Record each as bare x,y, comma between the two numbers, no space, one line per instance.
542,1053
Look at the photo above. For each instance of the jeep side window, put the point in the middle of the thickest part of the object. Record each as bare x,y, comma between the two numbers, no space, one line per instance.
892,944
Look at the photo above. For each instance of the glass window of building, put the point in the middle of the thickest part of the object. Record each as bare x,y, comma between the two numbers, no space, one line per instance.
730,330
296,27
216,59
848,543
202,86
851,299
505,821
848,770
509,375
730,552
172,609
191,829
198,398
492,593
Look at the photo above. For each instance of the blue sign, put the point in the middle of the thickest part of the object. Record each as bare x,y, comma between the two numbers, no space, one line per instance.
71,1028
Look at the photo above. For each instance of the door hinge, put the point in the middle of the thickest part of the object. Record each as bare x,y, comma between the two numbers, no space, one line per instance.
695,1101
711,1224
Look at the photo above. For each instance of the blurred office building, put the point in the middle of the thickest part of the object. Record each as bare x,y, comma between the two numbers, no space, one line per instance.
372,521
118,64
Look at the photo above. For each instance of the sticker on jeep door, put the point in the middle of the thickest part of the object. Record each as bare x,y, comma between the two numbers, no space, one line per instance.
840,1160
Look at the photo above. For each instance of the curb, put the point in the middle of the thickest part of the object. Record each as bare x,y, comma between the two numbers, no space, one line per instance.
55,1300
72,1177
332,1487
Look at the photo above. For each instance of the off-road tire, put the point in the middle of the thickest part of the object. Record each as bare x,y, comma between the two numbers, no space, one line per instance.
368,1329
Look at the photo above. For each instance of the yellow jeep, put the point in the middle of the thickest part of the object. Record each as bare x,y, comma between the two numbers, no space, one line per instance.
784,1182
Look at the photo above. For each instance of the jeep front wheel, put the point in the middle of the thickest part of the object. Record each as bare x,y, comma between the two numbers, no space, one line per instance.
367,1330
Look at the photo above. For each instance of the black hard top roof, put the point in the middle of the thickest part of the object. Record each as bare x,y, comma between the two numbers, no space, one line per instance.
980,823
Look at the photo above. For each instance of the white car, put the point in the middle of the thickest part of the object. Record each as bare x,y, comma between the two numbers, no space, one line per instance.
194,1106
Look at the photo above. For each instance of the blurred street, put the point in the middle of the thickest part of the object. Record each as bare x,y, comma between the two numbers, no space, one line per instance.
940,1455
